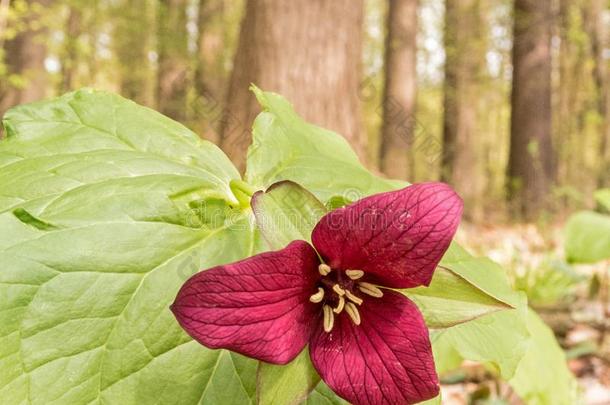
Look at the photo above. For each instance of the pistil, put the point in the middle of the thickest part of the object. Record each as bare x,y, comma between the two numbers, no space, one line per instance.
337,293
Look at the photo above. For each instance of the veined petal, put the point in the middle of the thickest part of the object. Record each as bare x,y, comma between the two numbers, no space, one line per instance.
397,237
258,306
387,359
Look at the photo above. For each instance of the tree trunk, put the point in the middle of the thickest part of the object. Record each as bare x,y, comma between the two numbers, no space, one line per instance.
173,59
531,166
598,33
210,75
24,58
307,50
400,89
465,59
132,44
69,60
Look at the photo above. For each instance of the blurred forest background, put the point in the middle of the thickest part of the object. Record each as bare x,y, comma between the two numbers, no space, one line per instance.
508,101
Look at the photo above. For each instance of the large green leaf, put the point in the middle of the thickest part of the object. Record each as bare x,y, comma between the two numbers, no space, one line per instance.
551,384
286,212
102,221
285,147
452,299
587,237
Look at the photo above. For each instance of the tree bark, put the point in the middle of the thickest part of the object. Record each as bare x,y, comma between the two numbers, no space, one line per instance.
397,133
598,32
173,72
461,163
307,50
531,166
210,75
24,59
69,60
132,44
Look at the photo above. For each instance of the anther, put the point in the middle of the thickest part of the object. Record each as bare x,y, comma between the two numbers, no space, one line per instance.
370,289
337,288
329,318
354,274
353,298
353,313
324,269
317,297
340,305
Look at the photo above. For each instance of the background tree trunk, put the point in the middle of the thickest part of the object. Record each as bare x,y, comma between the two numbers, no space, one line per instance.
133,27
24,57
210,75
598,32
307,50
69,62
531,166
172,77
461,163
400,89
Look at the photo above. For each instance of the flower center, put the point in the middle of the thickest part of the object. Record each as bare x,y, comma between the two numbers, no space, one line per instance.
342,291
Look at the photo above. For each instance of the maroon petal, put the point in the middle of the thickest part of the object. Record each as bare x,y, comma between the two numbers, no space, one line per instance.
397,237
258,306
387,359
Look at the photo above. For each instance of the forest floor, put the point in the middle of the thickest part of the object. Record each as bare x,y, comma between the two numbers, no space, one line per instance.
573,301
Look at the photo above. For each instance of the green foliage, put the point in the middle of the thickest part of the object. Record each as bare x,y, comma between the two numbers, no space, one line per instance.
550,283
84,313
602,196
587,237
543,377
285,147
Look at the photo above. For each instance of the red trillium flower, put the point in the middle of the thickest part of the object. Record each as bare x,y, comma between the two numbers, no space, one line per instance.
368,342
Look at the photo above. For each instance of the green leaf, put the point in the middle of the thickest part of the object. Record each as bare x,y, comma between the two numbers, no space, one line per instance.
289,384
286,212
285,147
587,237
322,395
551,384
102,221
499,339
602,196
451,299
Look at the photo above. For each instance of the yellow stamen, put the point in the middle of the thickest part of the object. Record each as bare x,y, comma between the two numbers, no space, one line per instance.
354,274
324,269
370,289
329,318
317,297
353,313
337,288
353,298
340,305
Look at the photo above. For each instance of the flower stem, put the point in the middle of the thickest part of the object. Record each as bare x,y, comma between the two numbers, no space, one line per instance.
242,191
